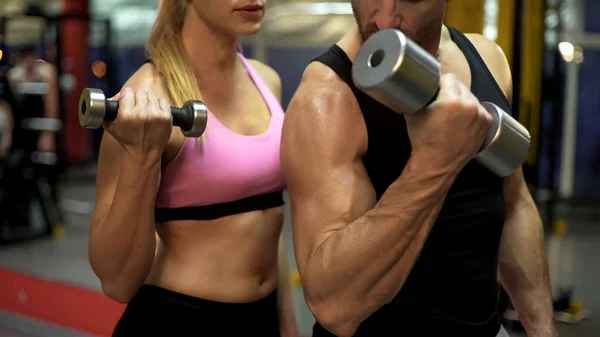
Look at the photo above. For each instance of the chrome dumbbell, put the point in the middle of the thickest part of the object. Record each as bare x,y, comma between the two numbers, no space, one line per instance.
401,75
94,109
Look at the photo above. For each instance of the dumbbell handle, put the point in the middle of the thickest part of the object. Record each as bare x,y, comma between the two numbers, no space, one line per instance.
182,117
94,109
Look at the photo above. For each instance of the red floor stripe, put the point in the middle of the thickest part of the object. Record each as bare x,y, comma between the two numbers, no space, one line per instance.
65,305
69,306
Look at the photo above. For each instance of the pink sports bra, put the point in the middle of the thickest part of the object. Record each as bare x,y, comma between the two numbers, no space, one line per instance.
227,173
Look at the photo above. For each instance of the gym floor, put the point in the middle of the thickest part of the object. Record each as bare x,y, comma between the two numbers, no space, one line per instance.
47,288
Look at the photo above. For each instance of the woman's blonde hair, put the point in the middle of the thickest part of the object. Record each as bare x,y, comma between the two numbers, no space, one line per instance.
168,54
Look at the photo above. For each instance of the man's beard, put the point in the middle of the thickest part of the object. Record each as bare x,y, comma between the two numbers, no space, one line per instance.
367,30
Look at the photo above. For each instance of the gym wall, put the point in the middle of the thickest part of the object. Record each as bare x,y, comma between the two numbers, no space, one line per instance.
587,162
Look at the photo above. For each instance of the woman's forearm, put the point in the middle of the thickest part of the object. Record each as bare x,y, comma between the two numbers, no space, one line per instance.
122,244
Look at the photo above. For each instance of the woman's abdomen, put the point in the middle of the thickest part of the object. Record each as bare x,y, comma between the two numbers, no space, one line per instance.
230,259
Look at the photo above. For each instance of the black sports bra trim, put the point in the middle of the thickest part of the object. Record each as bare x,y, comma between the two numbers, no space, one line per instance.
215,211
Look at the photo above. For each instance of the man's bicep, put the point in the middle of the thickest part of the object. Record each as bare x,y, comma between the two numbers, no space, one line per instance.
516,192
325,202
328,185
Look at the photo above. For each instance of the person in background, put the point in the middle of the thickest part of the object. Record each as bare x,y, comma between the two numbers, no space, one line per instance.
34,84
216,202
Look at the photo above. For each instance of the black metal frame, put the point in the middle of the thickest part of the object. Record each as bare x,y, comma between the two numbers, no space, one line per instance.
36,184
55,21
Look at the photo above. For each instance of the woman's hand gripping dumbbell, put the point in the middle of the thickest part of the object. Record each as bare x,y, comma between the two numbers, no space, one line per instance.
140,119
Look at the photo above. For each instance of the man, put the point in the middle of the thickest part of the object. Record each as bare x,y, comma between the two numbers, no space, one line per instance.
34,84
397,231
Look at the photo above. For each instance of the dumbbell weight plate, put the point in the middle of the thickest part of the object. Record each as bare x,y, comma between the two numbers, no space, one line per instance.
389,65
195,126
92,105
506,145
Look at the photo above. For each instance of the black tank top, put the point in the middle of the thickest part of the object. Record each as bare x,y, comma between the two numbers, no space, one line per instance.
30,105
452,288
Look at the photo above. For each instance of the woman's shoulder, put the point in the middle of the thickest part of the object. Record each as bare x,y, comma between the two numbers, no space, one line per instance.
148,78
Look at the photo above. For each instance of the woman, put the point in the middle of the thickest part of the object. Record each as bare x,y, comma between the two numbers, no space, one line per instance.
215,201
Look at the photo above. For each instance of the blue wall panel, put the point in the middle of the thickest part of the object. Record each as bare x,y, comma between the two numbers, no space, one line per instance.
128,60
544,162
587,151
592,11
248,51
587,162
547,123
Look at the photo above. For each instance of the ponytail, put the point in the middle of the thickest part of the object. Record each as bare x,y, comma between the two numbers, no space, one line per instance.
168,54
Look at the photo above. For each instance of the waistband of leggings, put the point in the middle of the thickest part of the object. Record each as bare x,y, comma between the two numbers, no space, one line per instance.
153,293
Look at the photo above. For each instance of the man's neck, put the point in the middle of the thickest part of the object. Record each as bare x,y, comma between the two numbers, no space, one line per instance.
445,40
210,52
351,42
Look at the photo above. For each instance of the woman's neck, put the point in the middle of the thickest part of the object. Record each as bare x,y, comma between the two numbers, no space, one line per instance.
211,52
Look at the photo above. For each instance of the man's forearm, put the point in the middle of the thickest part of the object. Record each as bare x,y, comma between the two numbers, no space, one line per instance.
364,265
524,271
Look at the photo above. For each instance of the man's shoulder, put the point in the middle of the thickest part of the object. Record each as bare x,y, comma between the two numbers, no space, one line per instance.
324,98
495,59
488,49
325,109
318,79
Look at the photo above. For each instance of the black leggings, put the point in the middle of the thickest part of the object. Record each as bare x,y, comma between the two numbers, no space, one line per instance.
156,311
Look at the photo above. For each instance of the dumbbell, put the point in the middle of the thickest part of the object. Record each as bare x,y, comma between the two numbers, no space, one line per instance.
398,73
94,109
